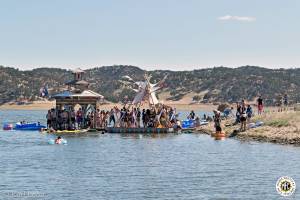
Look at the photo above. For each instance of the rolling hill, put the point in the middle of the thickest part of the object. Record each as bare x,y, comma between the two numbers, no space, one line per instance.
219,84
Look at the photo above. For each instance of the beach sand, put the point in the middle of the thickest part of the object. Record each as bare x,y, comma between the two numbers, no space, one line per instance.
46,105
36,105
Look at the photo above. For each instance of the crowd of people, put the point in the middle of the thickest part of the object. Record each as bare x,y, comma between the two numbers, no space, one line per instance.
244,113
160,116
64,119
130,117
156,116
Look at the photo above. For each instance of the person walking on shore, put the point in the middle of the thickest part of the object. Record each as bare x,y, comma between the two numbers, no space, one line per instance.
243,121
260,105
238,113
249,113
285,102
243,116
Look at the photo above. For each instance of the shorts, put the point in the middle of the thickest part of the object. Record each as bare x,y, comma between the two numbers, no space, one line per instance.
260,107
79,120
243,119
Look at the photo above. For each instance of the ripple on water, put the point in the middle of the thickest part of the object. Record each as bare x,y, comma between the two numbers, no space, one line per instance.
113,166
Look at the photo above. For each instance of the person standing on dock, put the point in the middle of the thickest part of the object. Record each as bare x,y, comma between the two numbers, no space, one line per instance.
65,119
134,118
79,116
117,114
144,118
73,118
138,116
112,117
48,116
53,118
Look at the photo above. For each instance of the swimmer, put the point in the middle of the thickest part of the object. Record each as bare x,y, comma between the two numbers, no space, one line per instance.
58,140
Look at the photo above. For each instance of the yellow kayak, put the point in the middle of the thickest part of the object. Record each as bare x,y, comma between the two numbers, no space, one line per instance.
66,131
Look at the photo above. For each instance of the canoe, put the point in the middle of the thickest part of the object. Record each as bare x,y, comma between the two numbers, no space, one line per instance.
139,130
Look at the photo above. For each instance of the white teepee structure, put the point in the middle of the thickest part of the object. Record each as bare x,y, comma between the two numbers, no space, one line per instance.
147,91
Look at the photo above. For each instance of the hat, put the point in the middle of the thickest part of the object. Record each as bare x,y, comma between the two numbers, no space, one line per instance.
216,111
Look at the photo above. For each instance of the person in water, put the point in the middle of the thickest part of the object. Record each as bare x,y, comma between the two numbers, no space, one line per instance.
58,140
217,121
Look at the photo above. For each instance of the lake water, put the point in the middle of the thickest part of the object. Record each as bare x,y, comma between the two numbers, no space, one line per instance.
115,166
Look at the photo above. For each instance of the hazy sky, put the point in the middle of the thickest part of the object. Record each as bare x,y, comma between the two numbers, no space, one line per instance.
152,34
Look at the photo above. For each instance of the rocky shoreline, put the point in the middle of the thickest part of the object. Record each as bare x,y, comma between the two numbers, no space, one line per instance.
279,128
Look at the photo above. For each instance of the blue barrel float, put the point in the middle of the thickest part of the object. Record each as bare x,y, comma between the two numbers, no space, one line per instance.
29,126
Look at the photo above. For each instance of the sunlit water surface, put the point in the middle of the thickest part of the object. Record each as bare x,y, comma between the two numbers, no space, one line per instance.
115,166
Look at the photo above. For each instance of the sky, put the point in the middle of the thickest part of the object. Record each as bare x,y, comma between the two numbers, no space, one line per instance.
151,34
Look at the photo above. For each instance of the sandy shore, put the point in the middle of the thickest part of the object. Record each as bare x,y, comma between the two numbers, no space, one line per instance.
37,105
46,105
279,127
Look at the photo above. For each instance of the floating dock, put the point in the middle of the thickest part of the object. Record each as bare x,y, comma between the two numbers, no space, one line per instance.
139,130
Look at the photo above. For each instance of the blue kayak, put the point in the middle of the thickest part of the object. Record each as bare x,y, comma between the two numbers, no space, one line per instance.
29,127
191,123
